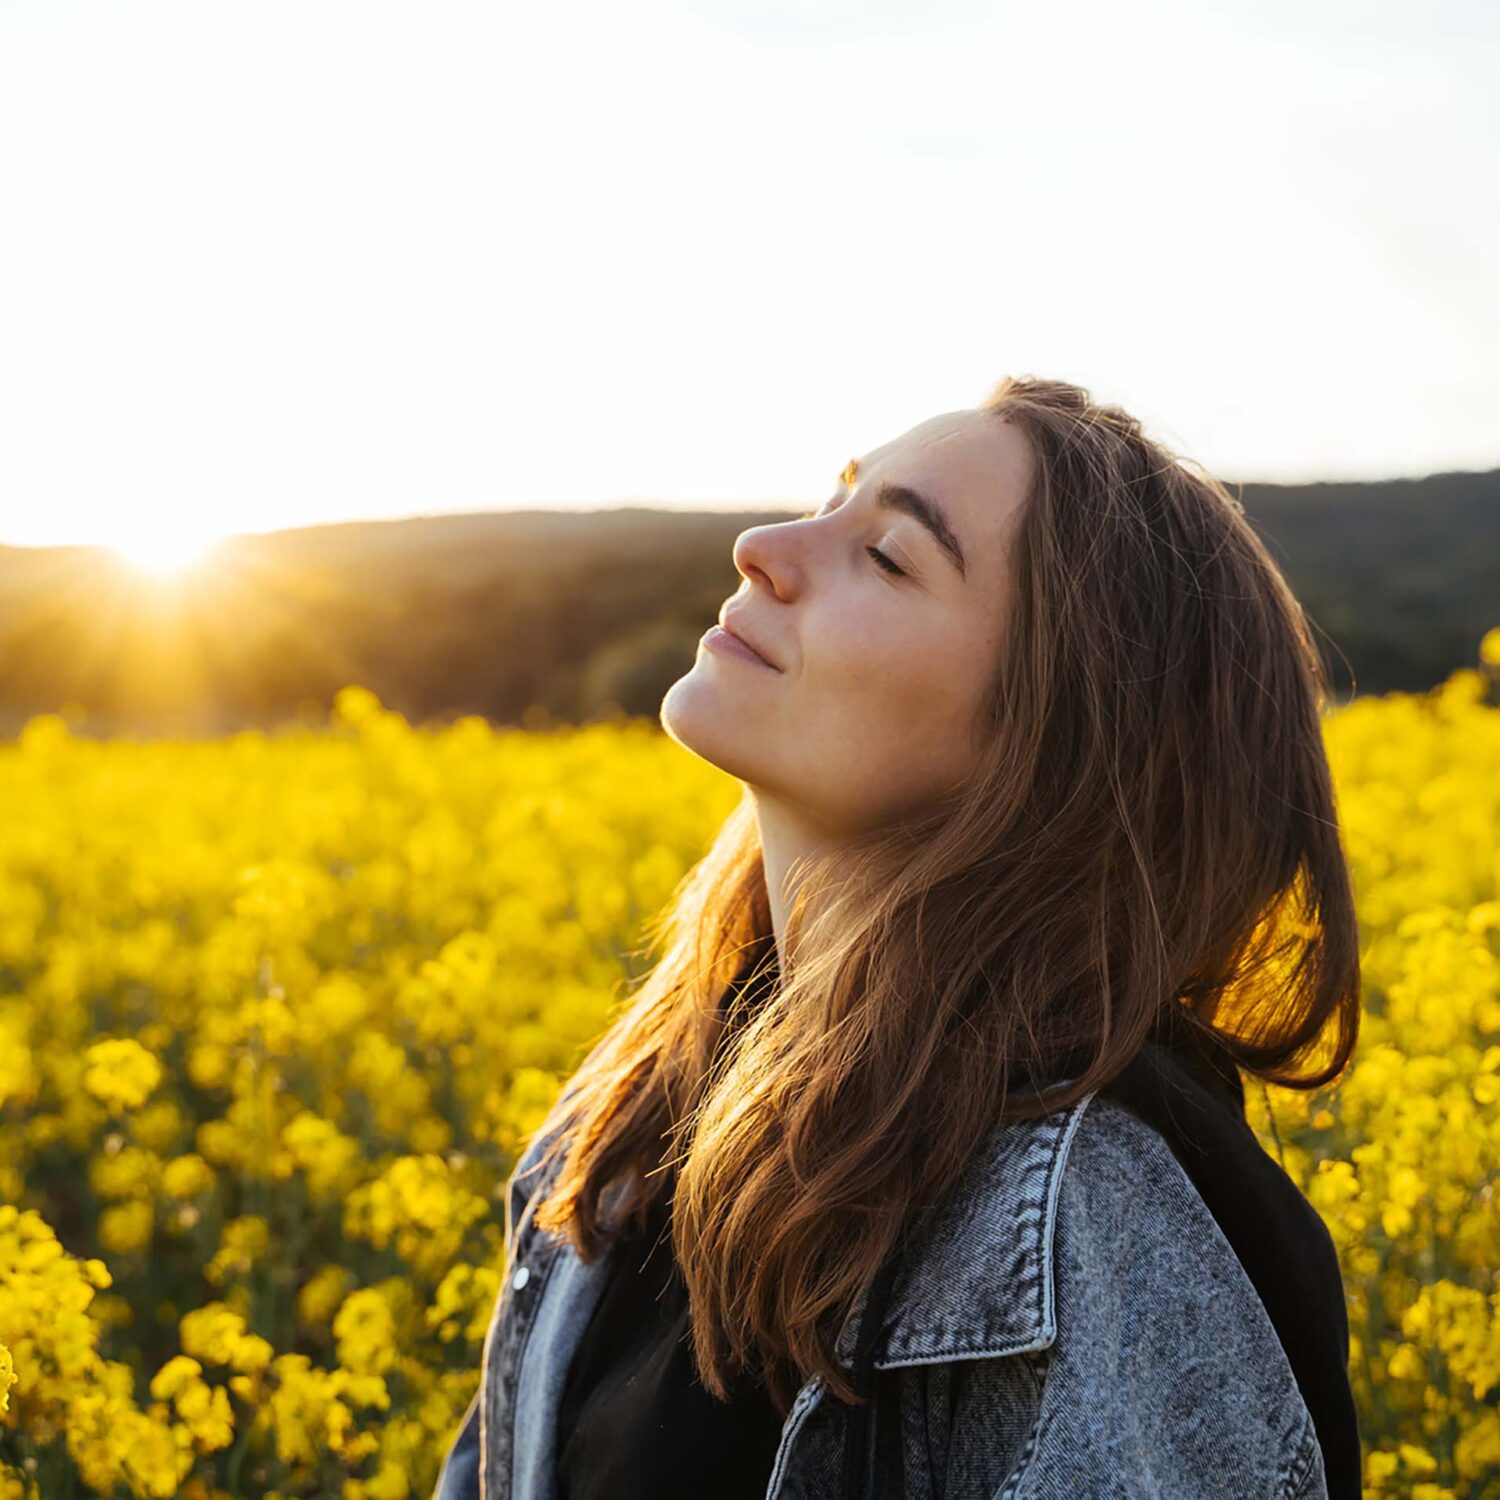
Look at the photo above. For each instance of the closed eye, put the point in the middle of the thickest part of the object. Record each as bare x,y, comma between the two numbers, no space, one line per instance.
879,557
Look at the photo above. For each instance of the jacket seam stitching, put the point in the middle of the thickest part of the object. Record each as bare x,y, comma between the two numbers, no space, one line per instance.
791,1429
1028,1451
1302,1461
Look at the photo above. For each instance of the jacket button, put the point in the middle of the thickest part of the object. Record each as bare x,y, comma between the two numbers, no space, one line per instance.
521,1277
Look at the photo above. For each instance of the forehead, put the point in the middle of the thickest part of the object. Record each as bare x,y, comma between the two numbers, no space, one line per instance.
973,463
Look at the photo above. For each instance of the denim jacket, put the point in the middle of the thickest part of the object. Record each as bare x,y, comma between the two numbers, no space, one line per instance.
1071,1322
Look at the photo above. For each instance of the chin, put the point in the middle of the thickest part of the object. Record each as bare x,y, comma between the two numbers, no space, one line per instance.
687,707
698,716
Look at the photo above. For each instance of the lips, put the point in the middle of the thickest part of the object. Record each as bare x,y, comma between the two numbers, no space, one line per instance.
727,625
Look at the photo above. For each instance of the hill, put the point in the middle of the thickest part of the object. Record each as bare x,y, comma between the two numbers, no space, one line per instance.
577,614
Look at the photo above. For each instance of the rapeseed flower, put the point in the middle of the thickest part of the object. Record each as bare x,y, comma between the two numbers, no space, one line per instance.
283,1008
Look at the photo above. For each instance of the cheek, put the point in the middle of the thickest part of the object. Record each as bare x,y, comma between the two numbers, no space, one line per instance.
935,706
909,687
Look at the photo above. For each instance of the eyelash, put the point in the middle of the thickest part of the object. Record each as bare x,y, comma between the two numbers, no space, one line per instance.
880,559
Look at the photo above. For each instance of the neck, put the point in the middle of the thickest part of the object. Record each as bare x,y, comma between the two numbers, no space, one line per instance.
787,839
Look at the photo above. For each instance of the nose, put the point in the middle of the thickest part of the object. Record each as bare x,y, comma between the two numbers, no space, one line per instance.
762,549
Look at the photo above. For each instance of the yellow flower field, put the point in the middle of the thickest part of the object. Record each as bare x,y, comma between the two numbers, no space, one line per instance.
276,1012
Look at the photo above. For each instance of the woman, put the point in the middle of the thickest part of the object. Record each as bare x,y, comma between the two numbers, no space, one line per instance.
918,1164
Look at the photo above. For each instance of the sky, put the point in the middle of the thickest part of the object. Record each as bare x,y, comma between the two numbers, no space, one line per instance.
291,261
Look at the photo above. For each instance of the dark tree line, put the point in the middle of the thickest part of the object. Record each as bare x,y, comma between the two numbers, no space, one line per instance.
573,616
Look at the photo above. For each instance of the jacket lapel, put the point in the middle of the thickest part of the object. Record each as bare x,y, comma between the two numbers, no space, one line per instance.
977,1278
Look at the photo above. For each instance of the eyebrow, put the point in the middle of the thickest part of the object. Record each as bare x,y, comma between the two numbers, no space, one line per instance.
921,508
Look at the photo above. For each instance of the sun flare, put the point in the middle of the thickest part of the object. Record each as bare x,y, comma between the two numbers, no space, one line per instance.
165,553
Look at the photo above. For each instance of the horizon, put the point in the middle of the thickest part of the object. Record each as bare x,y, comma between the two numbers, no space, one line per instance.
708,507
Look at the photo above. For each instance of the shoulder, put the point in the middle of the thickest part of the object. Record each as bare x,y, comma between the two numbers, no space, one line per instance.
1120,1174
1133,1235
1136,1249
1166,1364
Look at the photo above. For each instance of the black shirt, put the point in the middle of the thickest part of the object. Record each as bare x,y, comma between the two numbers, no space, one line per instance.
635,1422
634,1419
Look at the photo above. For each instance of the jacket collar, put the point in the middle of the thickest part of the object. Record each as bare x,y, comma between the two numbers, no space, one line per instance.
977,1278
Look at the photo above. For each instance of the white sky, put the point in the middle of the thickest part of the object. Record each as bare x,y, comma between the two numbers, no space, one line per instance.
287,261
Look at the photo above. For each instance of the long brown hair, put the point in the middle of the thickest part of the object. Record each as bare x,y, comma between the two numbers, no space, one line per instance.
1150,846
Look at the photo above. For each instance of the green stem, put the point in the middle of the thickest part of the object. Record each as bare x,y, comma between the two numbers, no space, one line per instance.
237,1457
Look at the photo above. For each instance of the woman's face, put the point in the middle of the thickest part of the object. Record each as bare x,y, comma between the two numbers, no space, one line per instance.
869,710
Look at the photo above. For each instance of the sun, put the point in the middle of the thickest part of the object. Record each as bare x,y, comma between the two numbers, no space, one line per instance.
166,553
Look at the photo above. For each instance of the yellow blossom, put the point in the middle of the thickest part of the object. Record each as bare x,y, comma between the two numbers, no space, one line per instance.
312,991
120,1072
